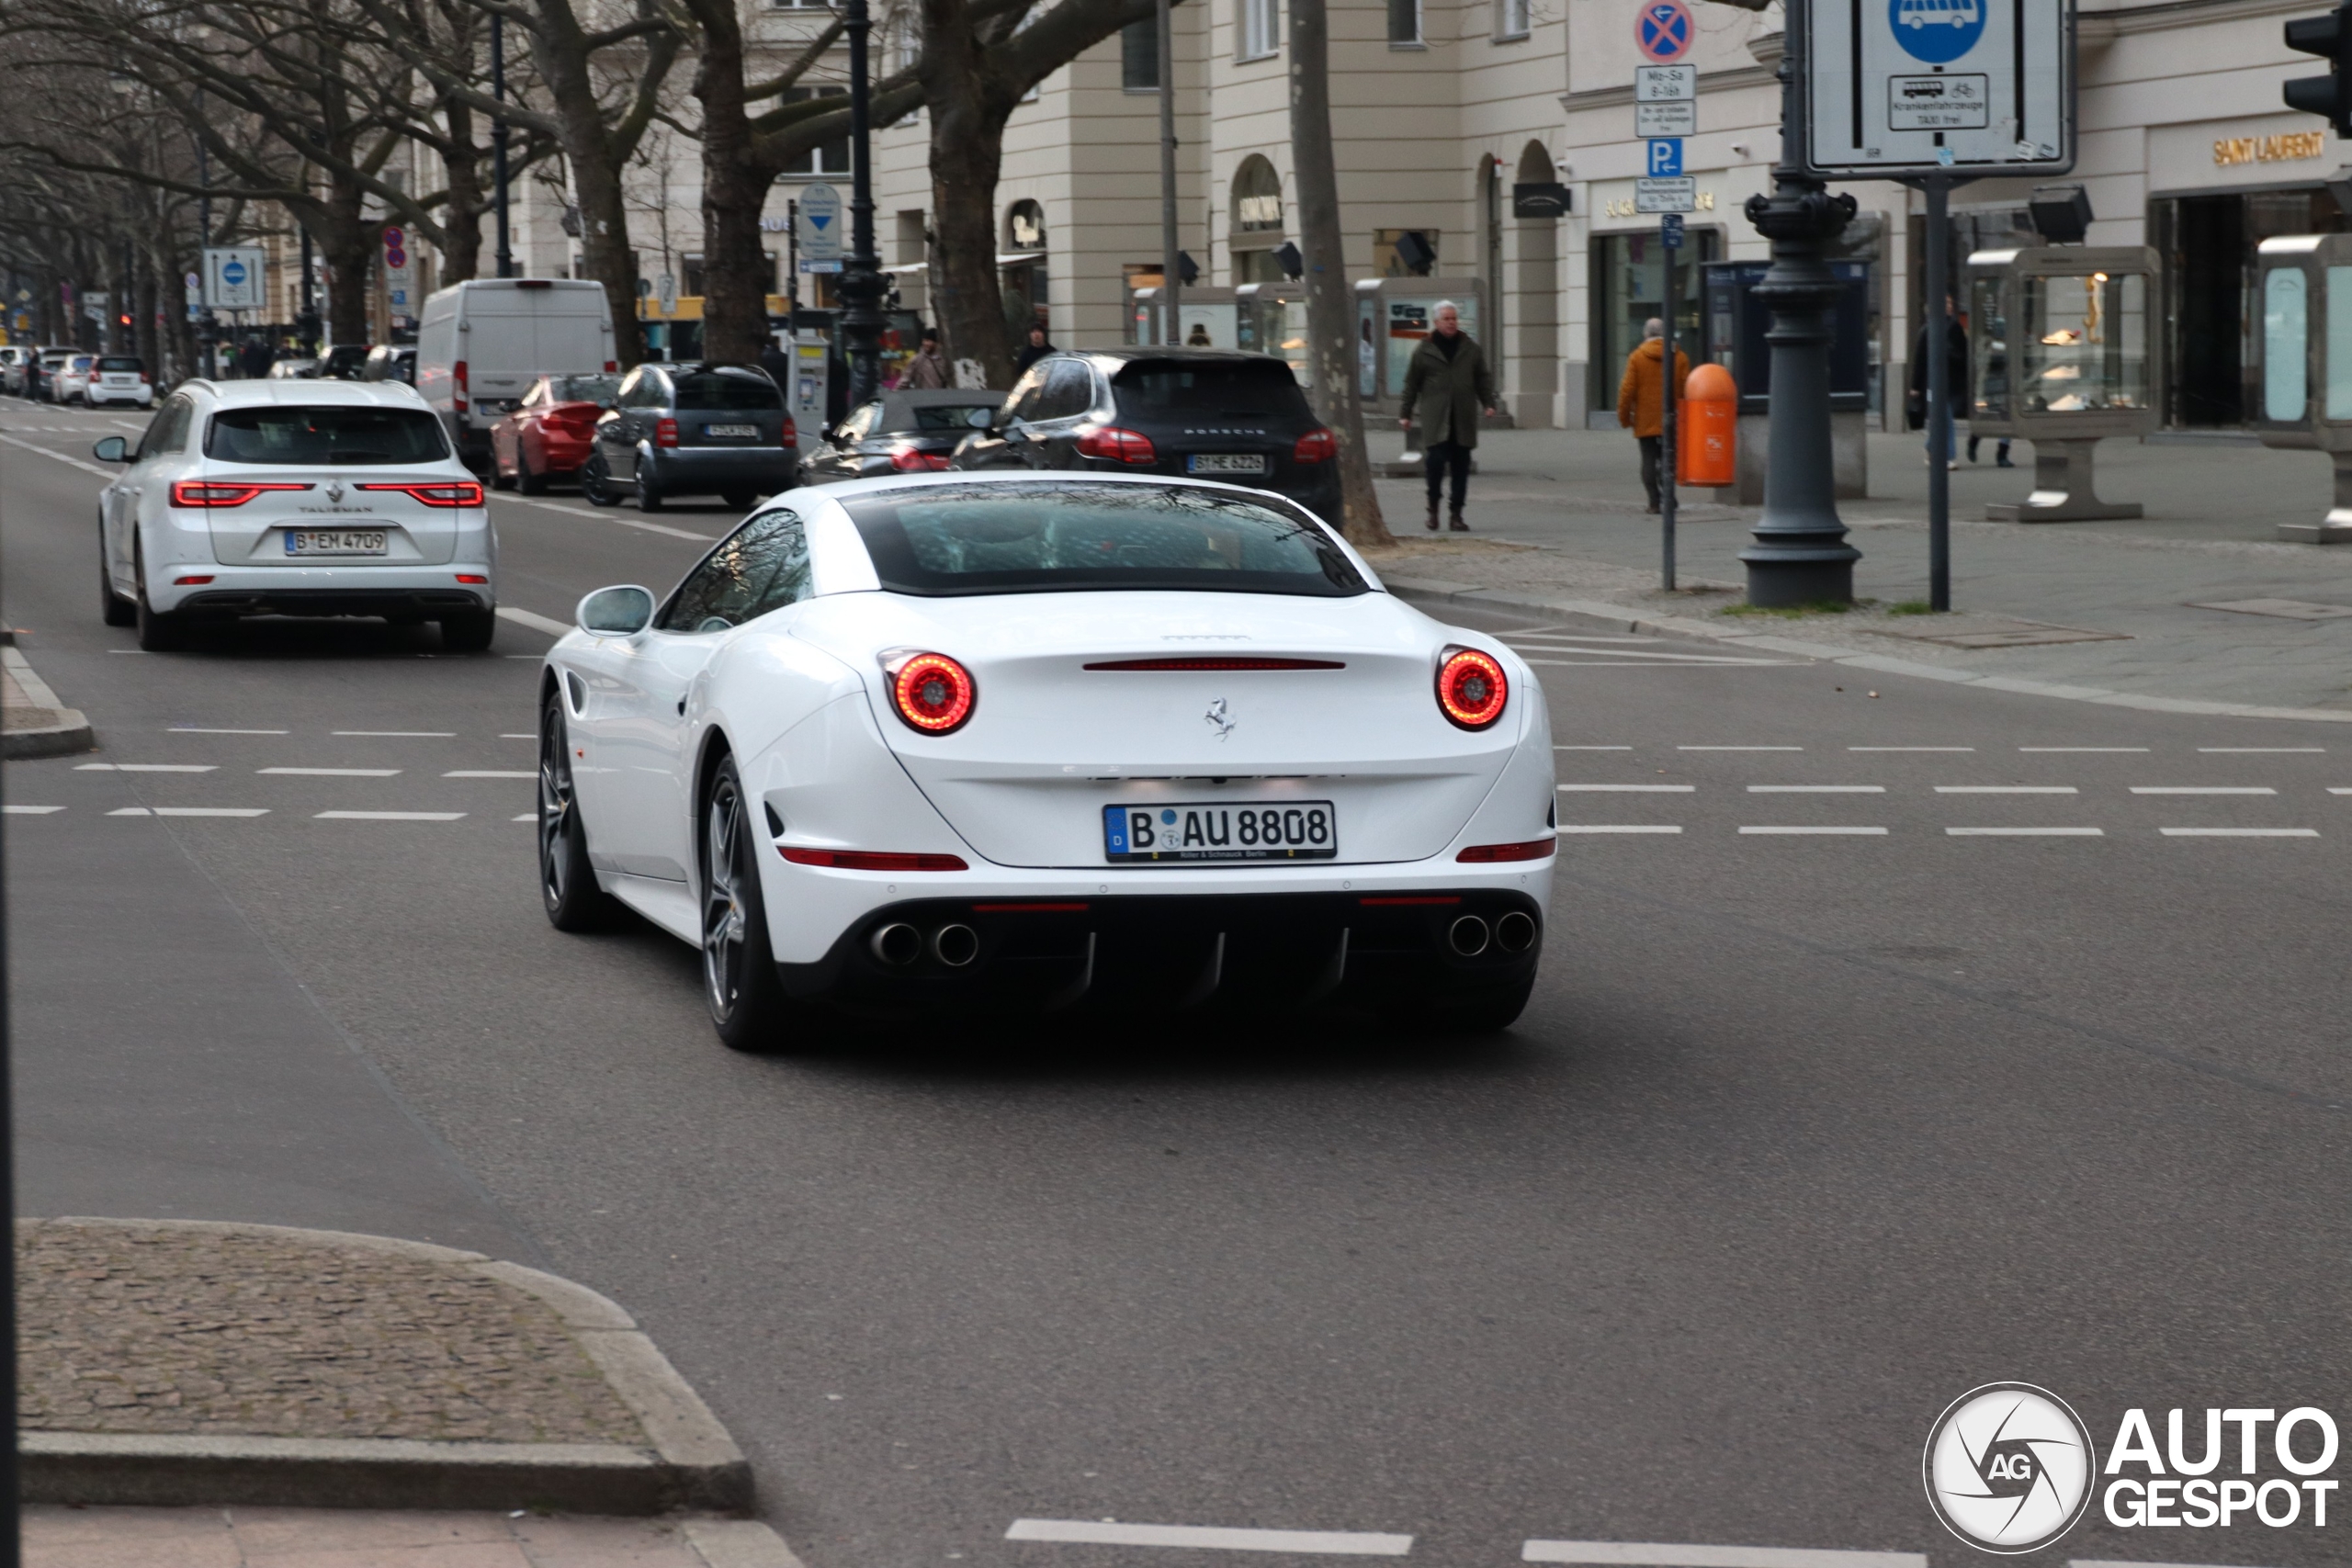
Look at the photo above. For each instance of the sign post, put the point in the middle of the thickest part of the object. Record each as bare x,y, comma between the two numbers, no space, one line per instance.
1669,235
232,276
1666,110
818,225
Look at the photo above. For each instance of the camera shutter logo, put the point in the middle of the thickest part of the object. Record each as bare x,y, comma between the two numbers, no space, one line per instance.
2010,1467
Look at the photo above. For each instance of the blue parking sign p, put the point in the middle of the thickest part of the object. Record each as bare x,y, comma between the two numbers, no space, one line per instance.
1666,156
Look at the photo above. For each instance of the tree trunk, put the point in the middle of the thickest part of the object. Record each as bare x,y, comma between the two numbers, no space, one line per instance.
1330,303
561,55
347,244
462,176
735,279
967,153
145,294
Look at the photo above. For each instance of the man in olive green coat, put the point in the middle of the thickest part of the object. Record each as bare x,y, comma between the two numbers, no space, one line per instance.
1446,387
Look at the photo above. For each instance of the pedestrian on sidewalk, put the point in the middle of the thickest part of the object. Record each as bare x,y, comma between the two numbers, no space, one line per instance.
778,365
1996,389
929,371
1955,380
1446,386
1038,346
1641,402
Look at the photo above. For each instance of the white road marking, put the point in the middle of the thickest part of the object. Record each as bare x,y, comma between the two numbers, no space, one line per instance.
527,816
2264,751
333,773
518,736
2101,751
1816,789
1814,832
1739,748
2026,832
29,810
2334,790
143,767
1612,827
191,730
487,773
1626,789
1592,748
74,462
2239,833
1910,748
609,517
395,734
191,811
388,816
1657,1554
536,622
2007,789
2202,789
1344,1543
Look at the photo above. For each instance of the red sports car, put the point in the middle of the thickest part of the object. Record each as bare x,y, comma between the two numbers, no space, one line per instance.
550,433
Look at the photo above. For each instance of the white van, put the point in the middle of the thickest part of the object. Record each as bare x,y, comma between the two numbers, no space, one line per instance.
482,343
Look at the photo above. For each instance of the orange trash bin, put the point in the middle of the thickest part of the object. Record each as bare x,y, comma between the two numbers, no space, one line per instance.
1709,417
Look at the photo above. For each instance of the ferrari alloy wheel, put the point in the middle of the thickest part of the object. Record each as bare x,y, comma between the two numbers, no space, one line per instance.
566,884
739,973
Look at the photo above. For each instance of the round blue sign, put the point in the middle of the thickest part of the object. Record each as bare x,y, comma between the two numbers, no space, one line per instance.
233,274
1937,32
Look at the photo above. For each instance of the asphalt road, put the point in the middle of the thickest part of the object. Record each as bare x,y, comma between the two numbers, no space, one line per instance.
1806,1132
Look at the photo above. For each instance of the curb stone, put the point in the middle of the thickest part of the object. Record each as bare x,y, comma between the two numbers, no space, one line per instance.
67,732
691,1462
1679,625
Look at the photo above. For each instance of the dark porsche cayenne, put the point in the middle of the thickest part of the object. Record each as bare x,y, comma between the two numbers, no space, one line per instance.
1202,413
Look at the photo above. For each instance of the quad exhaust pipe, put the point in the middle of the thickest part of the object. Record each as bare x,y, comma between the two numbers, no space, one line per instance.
1468,936
955,945
1515,932
896,944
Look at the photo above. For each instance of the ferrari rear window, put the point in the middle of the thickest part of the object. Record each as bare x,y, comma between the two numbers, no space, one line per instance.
1075,536
275,433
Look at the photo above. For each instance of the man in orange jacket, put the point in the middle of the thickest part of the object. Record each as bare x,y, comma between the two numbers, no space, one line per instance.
1641,399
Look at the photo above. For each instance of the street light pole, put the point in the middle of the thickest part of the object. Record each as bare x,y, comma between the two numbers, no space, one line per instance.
498,142
861,279
1800,555
1170,284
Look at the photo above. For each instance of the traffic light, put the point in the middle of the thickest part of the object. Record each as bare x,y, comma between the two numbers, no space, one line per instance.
2330,37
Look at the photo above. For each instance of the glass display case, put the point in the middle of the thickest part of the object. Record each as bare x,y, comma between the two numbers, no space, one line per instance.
2304,295
2085,343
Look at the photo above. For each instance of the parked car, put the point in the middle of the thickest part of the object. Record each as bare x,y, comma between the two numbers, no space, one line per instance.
294,369
265,498
12,368
1200,414
905,433
343,362
482,343
72,383
390,362
693,430
40,376
118,378
550,433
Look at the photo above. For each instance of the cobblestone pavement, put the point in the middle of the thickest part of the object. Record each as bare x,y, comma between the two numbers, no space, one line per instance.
2147,584
357,1537
169,1331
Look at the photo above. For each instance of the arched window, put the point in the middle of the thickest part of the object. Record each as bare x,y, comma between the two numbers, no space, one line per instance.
1258,227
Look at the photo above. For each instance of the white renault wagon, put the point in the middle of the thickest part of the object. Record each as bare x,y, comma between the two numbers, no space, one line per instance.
294,498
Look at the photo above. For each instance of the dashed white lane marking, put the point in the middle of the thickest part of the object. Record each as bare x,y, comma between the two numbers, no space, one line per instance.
2007,789
2332,789
1910,748
1659,1555
29,810
71,462
537,622
395,734
1818,832
1592,748
2024,832
1342,1543
2239,833
487,773
2202,789
333,773
518,736
190,811
192,729
2264,750
2092,750
143,768
1625,789
527,816
623,522
1816,789
388,816
1739,748
1613,827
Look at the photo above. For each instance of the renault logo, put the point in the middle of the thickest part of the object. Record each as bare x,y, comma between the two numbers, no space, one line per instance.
335,492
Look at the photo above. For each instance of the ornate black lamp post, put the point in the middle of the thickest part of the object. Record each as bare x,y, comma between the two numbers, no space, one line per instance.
861,283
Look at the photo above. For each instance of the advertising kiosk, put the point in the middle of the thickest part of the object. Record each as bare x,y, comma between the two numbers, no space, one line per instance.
2303,288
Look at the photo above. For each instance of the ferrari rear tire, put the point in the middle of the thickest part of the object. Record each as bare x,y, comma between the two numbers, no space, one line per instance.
568,888
747,1005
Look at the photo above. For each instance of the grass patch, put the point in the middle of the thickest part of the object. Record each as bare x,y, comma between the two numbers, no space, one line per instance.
1913,607
1796,612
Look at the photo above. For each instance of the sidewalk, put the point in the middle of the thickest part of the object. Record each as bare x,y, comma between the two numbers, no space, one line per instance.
33,723
195,1392
2119,606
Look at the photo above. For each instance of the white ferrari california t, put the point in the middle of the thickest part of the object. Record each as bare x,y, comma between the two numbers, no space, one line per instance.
1022,743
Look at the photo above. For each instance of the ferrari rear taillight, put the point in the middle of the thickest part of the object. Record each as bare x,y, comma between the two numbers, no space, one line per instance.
665,432
907,459
219,492
1318,445
1114,445
1526,849
1471,688
872,860
932,693
438,492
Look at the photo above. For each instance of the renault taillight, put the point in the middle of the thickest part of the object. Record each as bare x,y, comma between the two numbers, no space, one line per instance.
222,492
438,493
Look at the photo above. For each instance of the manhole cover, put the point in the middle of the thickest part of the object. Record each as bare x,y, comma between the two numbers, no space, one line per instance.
2285,609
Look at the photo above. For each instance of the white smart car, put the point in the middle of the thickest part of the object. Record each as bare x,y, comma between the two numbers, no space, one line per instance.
294,498
1016,742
